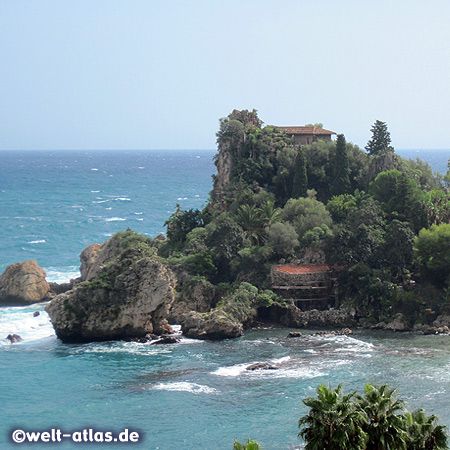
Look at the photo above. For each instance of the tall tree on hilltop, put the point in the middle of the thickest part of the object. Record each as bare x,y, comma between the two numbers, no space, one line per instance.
380,141
341,180
300,183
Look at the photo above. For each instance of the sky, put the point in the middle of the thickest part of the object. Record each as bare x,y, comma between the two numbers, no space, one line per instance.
159,74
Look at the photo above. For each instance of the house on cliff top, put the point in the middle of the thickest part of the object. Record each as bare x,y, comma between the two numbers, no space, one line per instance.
308,134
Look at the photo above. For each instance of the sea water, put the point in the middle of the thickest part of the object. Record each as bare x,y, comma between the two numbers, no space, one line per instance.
191,395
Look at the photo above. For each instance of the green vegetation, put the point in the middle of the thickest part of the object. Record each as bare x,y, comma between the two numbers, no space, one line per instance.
373,214
377,420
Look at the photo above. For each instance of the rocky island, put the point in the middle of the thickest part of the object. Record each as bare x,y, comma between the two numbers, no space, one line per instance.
301,231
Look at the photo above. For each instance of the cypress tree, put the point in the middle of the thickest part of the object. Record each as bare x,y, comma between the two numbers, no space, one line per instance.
381,139
300,181
341,179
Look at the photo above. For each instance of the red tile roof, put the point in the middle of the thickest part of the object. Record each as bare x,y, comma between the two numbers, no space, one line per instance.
305,268
306,130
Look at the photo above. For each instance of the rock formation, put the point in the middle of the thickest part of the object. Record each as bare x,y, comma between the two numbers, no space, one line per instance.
22,284
128,294
214,325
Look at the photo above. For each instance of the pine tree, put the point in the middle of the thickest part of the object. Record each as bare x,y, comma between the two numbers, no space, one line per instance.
300,182
380,141
341,180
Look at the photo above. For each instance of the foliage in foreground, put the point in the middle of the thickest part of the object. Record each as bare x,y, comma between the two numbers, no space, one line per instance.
377,420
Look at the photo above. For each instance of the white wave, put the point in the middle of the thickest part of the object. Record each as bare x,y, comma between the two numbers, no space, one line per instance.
184,386
281,360
20,320
123,199
141,167
231,371
61,274
94,169
100,201
95,191
40,241
115,219
138,213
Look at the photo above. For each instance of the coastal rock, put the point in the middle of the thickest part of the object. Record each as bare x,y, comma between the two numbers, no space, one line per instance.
36,313
291,316
261,366
294,334
88,260
60,288
127,298
442,321
398,323
196,295
22,284
214,325
13,338
166,339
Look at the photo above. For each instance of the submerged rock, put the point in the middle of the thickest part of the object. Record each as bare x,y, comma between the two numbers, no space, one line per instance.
22,284
36,313
166,339
261,366
128,295
13,338
294,334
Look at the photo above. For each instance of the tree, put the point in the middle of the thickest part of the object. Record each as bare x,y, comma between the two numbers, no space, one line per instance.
385,425
333,421
249,445
380,141
300,183
341,180
432,248
400,197
282,239
424,433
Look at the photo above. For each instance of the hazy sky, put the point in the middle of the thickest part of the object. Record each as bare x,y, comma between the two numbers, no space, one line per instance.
158,74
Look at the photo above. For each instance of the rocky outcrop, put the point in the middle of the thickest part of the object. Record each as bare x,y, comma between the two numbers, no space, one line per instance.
128,295
14,338
215,325
195,295
88,260
293,317
22,284
260,366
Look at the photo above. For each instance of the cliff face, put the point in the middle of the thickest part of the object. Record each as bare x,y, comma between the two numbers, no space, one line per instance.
128,294
230,138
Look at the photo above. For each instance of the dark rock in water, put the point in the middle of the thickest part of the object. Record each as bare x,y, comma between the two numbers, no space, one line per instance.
128,294
13,338
36,313
343,332
22,284
166,339
294,334
260,366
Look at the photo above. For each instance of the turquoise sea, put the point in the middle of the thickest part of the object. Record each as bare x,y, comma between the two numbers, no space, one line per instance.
188,396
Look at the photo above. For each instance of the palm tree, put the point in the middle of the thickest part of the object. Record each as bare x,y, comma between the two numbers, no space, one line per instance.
334,421
385,426
248,217
269,214
424,433
249,445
